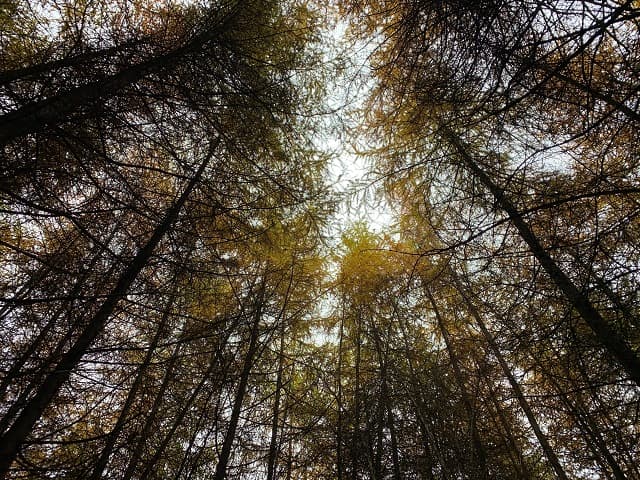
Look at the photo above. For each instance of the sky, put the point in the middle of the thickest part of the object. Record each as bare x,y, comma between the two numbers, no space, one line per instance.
350,173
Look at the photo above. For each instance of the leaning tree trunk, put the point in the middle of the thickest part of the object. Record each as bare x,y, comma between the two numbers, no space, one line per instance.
12,440
225,452
479,451
107,450
607,335
515,386
275,423
515,452
54,110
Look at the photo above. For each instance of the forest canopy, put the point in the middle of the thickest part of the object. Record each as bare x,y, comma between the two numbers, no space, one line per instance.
183,297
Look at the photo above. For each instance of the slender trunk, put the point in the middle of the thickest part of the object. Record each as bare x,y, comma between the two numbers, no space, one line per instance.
367,442
178,421
41,337
131,396
479,451
608,337
505,434
288,439
514,449
225,452
395,458
427,471
381,407
385,415
218,360
75,61
591,432
355,445
203,420
34,117
273,443
339,431
14,371
290,460
428,442
620,444
515,386
592,437
11,441
380,423
143,437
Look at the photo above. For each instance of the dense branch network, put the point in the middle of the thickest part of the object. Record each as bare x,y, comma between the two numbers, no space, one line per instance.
175,301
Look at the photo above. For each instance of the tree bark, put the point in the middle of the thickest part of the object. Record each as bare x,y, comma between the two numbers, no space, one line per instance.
15,436
608,337
515,386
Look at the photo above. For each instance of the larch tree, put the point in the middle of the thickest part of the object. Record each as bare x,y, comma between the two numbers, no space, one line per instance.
140,151
508,130
175,301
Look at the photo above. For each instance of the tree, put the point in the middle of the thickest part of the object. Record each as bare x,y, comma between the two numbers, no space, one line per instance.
174,303
500,134
142,175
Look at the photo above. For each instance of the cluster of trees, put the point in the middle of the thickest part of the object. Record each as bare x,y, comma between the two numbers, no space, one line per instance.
169,309
507,135
161,209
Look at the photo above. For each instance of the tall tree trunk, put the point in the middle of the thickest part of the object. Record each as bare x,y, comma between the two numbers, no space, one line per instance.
395,457
356,441
54,110
383,400
591,432
203,419
515,452
27,354
72,61
515,386
273,442
339,429
608,337
177,421
620,444
225,452
479,451
15,436
24,357
592,437
133,392
426,436
143,437
218,360
290,459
